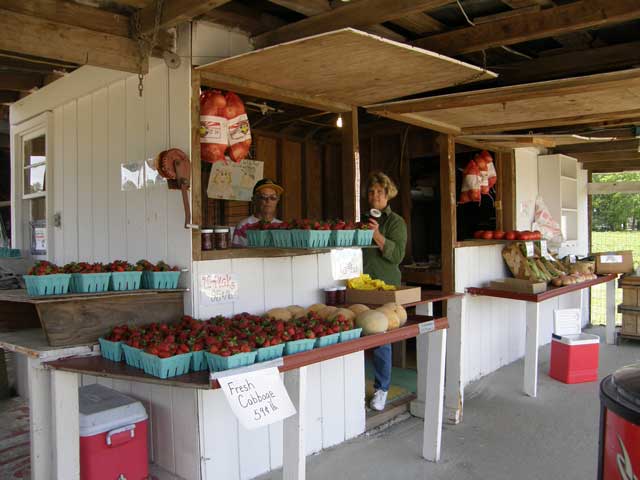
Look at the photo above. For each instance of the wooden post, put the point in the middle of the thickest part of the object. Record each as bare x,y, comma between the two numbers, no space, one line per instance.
432,432
448,210
39,387
294,452
610,330
66,425
531,348
454,393
196,168
422,348
350,166
506,197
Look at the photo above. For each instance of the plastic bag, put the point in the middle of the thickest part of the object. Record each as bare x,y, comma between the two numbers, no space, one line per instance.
471,179
543,221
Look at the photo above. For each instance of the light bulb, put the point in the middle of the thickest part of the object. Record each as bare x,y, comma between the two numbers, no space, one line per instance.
339,121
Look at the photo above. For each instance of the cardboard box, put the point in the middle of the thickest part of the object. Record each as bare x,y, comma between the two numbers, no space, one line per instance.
518,285
401,295
614,262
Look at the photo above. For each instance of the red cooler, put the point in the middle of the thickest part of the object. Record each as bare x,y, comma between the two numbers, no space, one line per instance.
620,425
113,435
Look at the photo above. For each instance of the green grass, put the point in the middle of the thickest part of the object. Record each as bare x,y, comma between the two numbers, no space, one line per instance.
611,241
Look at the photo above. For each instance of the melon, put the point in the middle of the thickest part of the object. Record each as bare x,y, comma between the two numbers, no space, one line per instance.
345,312
372,321
279,314
392,318
316,307
399,310
358,308
296,311
326,312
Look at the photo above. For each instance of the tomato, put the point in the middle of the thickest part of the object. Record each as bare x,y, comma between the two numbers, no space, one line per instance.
488,235
524,235
511,235
537,234
498,234
478,234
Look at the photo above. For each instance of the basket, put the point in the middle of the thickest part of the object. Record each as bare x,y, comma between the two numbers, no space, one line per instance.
217,363
259,238
342,238
269,353
281,238
6,252
39,285
327,340
89,282
166,367
110,350
363,238
160,280
298,346
350,335
198,361
310,238
121,281
132,356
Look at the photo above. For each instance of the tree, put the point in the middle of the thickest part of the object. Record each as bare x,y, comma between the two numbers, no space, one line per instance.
616,211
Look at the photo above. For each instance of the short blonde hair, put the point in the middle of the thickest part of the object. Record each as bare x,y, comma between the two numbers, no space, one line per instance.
379,178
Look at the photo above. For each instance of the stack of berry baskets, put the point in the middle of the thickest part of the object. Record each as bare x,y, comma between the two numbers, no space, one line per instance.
158,276
259,234
46,278
306,233
124,275
88,277
281,235
363,235
342,234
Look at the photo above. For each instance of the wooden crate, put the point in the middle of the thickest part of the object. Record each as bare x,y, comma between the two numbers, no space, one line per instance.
630,297
630,324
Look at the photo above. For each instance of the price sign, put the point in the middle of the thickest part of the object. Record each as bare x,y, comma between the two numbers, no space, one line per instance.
219,287
544,251
529,247
572,259
346,263
426,327
257,398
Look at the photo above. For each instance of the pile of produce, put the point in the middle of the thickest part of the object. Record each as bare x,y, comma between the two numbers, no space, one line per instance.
365,282
524,235
222,342
542,268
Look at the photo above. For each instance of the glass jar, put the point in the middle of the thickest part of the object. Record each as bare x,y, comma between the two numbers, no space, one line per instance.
330,296
221,238
341,295
207,239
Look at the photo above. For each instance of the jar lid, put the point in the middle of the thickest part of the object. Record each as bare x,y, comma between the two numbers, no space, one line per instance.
221,230
330,289
207,230
341,288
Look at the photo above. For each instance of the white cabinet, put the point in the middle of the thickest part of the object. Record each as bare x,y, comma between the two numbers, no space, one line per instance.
558,187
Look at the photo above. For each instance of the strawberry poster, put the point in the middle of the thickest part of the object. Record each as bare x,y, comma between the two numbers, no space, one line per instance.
234,181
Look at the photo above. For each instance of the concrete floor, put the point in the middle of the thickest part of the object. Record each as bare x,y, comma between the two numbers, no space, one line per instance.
505,435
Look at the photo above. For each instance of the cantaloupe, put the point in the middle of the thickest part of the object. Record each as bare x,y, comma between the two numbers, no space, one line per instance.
392,318
372,321
357,308
279,314
316,307
345,312
400,312
326,312
296,311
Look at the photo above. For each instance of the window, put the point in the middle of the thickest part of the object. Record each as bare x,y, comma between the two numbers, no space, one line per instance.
34,156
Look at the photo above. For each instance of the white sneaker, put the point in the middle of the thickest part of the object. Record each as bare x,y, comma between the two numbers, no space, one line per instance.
379,400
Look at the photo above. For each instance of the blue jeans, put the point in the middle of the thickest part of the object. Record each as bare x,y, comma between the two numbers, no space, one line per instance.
382,367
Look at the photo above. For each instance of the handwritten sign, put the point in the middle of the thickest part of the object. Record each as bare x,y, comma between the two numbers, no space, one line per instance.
529,247
219,287
426,327
234,181
257,398
346,263
544,250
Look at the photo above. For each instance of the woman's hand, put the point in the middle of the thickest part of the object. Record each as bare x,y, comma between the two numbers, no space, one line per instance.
378,238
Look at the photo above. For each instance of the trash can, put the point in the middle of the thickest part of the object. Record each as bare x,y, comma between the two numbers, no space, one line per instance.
619,456
113,435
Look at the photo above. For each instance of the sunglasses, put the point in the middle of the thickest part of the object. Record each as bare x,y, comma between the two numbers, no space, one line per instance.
265,198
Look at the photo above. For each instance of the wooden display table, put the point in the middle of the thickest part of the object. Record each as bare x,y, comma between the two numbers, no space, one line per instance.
533,301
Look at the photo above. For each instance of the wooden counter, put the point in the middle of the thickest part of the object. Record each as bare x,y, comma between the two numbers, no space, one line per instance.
268,252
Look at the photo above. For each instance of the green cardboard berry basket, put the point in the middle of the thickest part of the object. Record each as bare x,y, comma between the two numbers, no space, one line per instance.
89,282
40,285
269,353
298,346
342,238
110,350
350,335
327,340
121,281
198,361
132,356
259,238
160,280
281,238
166,367
363,238
310,238
218,363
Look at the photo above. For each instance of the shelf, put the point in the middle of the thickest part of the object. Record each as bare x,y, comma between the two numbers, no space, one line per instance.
573,179
268,252
569,209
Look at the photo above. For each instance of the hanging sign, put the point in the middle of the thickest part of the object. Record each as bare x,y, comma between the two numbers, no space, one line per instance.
219,287
346,263
257,398
234,181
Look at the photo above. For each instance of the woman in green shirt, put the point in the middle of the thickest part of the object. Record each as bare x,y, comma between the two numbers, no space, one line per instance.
390,236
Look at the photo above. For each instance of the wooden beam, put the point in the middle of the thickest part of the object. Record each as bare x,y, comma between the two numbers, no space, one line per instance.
613,187
595,157
546,23
570,64
28,35
20,82
70,13
528,91
612,166
506,167
268,92
600,147
507,14
236,15
9,97
448,221
350,166
418,121
419,23
175,12
357,14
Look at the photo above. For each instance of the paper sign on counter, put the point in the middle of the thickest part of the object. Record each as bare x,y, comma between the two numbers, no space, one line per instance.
529,247
426,327
346,263
257,398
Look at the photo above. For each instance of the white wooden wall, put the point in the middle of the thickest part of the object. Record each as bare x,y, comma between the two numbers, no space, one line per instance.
336,410
493,329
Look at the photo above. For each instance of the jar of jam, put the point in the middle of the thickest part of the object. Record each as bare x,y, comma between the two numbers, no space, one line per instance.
207,239
221,238
341,295
330,296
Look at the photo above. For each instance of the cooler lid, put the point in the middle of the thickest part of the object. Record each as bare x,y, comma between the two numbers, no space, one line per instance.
567,321
103,409
626,381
